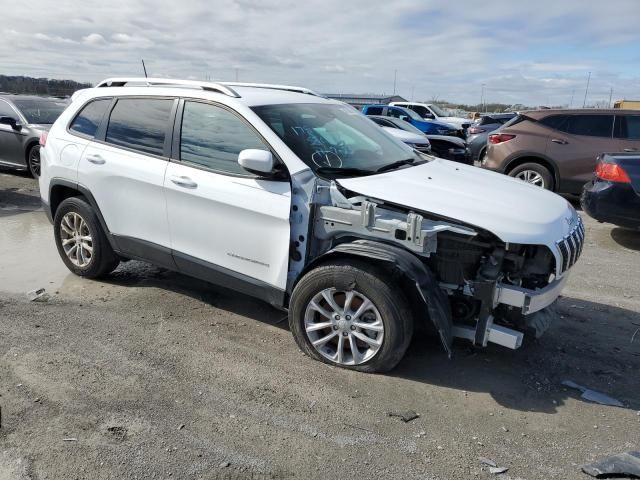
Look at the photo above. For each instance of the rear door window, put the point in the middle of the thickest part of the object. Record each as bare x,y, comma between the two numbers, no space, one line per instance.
591,125
140,124
374,110
88,120
627,127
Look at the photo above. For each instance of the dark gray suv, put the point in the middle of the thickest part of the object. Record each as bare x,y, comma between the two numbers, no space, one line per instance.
23,118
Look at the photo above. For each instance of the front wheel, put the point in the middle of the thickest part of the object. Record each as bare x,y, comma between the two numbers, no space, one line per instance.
346,314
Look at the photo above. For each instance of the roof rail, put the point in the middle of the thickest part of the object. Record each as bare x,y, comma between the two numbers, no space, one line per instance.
288,88
153,82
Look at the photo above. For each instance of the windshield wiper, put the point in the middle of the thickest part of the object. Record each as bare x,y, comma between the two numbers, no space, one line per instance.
394,165
350,171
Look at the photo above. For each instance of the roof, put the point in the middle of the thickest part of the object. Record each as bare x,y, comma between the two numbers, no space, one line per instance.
576,111
12,96
244,93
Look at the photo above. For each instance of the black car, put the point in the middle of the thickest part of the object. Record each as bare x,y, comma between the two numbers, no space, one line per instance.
23,118
613,196
443,146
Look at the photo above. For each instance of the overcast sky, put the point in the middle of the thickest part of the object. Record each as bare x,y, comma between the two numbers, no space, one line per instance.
530,52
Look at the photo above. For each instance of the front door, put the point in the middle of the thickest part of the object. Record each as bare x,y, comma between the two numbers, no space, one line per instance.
227,225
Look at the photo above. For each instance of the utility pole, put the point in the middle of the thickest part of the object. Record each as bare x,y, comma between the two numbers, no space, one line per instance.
610,96
395,75
586,90
236,74
573,92
482,98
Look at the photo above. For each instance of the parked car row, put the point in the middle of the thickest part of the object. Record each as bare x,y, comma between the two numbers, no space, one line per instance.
22,120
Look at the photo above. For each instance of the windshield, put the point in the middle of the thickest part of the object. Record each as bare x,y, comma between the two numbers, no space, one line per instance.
438,111
409,112
40,110
335,139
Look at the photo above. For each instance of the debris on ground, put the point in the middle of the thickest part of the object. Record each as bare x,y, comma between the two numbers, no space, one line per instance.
592,395
181,426
71,439
405,416
497,470
224,464
623,465
487,461
39,295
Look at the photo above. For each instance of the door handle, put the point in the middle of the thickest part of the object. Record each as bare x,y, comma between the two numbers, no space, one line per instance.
558,140
96,159
185,182
630,149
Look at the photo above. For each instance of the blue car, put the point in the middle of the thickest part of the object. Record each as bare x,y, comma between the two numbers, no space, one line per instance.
425,126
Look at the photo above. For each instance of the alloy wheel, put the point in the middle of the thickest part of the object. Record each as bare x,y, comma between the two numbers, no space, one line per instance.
345,327
77,242
532,177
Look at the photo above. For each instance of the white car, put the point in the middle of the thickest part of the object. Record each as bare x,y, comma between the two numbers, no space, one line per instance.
429,111
303,202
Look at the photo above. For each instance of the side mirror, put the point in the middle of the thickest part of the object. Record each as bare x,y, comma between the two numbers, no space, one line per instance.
405,118
256,161
429,116
12,122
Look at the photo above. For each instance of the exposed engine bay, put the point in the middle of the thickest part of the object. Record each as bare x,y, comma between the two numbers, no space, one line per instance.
492,287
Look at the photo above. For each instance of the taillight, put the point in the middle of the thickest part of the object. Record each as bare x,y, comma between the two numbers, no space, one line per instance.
476,130
496,138
612,173
43,138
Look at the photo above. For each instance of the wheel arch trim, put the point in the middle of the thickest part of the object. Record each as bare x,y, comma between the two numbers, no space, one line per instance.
82,191
427,289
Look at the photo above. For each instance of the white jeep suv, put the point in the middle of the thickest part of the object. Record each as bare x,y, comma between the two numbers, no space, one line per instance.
301,201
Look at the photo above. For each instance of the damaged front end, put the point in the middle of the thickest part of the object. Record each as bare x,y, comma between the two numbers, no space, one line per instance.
472,284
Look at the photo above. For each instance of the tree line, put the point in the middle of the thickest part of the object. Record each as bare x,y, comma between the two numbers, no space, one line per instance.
39,86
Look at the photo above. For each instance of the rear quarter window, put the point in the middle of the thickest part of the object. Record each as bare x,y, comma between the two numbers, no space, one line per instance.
557,122
88,120
374,111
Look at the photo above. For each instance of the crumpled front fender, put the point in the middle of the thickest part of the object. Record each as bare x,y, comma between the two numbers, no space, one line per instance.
434,298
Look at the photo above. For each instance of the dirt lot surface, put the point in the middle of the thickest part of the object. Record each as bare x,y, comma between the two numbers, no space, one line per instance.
150,374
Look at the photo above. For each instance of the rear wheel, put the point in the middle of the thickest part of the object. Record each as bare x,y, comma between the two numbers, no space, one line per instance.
82,244
347,315
33,161
535,174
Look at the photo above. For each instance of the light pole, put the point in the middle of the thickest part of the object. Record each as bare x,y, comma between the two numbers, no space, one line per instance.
482,98
586,90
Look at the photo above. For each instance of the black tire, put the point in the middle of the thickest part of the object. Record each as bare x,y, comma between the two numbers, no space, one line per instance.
541,170
347,275
103,259
33,161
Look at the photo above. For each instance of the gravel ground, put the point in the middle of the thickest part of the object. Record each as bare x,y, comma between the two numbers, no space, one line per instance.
150,374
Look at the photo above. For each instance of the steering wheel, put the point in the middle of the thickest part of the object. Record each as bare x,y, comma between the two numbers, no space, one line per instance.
326,158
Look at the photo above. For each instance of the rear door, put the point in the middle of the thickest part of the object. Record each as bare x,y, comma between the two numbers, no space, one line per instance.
227,225
575,144
124,170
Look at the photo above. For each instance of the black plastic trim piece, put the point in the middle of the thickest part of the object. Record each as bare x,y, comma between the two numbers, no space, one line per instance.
224,277
138,249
